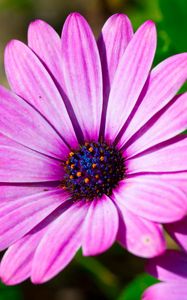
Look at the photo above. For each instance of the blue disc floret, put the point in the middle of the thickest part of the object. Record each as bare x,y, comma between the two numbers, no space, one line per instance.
93,170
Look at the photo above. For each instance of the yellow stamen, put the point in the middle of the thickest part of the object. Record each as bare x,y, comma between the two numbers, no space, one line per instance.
90,149
71,154
78,174
97,176
86,180
94,166
72,166
71,176
102,158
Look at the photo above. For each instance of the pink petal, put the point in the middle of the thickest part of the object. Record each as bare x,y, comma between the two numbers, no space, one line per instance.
46,43
59,244
176,179
100,227
178,232
149,197
163,83
34,166
140,236
82,73
165,291
130,78
11,192
28,78
168,123
171,158
16,264
115,36
170,266
19,164
19,217
20,122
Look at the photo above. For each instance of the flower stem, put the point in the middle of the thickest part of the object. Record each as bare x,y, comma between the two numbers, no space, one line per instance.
104,278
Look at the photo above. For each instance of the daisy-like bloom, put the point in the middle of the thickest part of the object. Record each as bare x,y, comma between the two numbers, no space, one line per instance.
171,268
90,146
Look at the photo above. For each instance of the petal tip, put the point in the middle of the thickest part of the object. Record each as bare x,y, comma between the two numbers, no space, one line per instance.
150,22
6,280
149,26
85,252
75,15
13,44
92,252
36,22
41,278
36,280
74,19
122,19
10,44
119,16
8,51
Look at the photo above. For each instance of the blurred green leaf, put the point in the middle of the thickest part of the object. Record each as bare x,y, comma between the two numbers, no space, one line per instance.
164,46
135,288
183,89
175,22
10,292
140,11
16,4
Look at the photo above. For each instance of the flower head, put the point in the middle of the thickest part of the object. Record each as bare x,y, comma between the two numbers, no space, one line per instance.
90,146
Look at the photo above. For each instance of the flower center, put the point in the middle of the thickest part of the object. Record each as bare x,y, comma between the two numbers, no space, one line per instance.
93,170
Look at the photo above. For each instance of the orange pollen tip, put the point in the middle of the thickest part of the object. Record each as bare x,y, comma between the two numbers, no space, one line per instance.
102,158
90,149
96,176
67,162
86,180
71,176
71,154
94,166
78,174
72,166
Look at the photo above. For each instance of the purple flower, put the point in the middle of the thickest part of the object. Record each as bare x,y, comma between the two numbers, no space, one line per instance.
171,268
90,149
